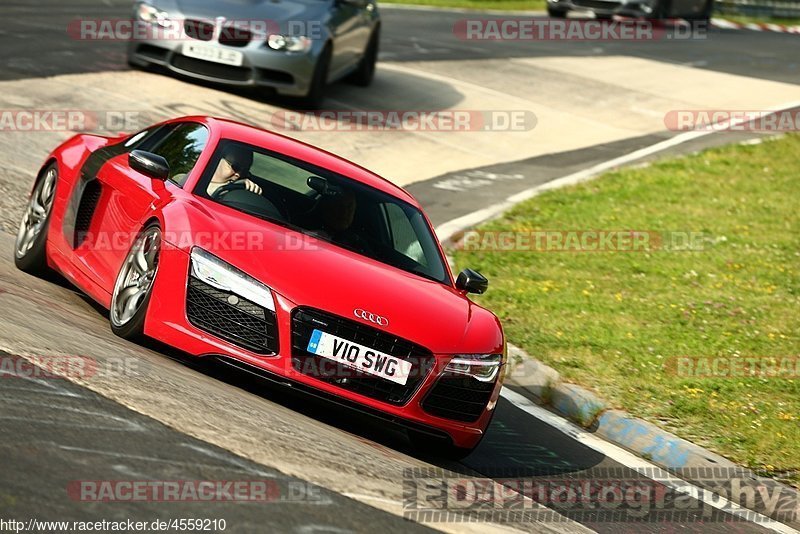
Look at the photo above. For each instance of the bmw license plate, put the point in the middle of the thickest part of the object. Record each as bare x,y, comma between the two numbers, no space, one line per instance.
213,53
359,357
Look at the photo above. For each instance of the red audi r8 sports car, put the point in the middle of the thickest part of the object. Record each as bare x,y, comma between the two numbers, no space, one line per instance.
224,240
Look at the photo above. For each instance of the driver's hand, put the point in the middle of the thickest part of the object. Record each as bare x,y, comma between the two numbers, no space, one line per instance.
252,186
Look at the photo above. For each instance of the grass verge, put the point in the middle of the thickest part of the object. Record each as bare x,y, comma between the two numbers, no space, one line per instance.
488,5
616,322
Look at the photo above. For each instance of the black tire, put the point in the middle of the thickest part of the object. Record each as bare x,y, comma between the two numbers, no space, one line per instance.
431,446
319,81
365,72
705,14
133,328
33,260
556,13
663,10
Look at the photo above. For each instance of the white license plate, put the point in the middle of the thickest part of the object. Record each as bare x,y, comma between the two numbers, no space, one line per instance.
213,53
359,357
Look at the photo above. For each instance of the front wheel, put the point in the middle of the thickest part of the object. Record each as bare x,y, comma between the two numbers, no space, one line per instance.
319,81
556,13
134,284
366,67
29,248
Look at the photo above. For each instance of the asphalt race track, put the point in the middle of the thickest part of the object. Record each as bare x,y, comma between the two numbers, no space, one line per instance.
150,413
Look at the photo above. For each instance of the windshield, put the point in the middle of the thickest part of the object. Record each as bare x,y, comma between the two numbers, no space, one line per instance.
323,204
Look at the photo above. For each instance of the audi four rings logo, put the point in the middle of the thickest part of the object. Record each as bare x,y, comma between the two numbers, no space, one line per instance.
371,317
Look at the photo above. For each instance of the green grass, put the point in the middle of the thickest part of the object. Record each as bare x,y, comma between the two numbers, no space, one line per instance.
612,321
491,5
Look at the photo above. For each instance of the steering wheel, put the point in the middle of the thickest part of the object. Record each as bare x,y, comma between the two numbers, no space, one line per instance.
227,188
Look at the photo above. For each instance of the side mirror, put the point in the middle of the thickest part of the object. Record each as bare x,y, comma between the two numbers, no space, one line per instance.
149,164
472,282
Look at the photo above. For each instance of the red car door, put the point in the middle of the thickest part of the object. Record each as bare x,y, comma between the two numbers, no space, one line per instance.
126,197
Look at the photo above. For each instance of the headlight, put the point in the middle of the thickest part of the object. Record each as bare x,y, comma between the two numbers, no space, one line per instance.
215,272
481,367
151,14
289,43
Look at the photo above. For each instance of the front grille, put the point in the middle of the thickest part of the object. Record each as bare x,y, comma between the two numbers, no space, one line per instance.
233,36
231,317
152,52
305,320
275,76
597,4
198,29
458,397
86,209
212,70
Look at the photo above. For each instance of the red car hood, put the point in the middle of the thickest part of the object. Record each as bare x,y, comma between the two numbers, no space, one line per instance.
312,272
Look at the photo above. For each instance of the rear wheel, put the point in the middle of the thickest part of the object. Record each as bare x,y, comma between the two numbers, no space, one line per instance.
29,248
134,284
366,68
556,13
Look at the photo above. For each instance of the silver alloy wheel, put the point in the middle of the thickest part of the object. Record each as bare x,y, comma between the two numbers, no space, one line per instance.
35,216
136,277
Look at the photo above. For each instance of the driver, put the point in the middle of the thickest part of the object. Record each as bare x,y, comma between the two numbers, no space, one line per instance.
234,165
338,213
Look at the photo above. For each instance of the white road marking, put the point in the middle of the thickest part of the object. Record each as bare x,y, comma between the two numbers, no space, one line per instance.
641,466
161,460
132,426
234,461
446,230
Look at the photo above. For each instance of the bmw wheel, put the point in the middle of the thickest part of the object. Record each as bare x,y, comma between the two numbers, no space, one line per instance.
366,67
134,284
319,81
29,248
